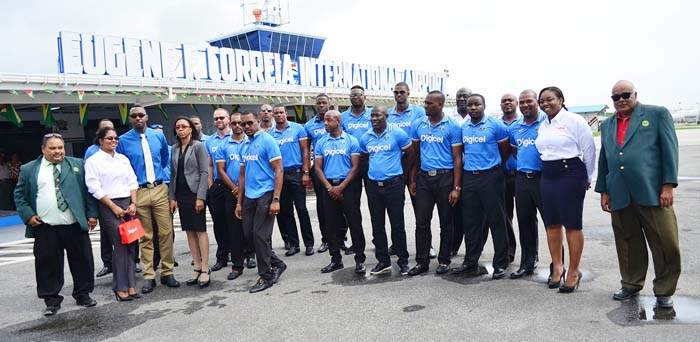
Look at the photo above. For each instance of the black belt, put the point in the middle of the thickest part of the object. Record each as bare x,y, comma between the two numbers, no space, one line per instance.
389,181
336,181
292,171
530,174
150,185
433,173
478,172
562,161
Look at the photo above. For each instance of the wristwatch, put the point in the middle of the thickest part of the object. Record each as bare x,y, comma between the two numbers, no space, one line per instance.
458,188
275,199
306,172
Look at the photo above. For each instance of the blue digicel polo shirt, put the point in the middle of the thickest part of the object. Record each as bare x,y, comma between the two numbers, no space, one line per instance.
356,125
257,154
130,146
230,152
288,139
405,119
481,143
522,136
212,143
315,129
385,152
511,164
436,142
336,153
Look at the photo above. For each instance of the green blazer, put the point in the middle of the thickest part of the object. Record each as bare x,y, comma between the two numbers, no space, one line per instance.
72,185
647,159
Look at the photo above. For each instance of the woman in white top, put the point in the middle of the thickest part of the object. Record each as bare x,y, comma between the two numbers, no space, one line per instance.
110,178
567,150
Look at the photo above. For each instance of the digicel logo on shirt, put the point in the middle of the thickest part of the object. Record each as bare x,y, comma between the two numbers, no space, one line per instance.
525,142
233,156
358,125
431,138
333,152
250,157
319,131
402,124
377,148
285,140
473,139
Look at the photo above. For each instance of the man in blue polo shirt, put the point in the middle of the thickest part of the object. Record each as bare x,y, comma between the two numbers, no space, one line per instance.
259,198
228,164
385,146
198,124
509,106
148,153
294,145
337,165
485,150
522,135
218,195
437,181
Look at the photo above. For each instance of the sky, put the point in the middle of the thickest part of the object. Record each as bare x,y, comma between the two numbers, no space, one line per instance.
492,47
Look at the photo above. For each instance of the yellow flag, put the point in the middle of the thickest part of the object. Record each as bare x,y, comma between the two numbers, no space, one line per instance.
123,112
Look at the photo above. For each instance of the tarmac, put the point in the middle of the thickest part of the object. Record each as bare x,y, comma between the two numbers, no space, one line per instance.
309,306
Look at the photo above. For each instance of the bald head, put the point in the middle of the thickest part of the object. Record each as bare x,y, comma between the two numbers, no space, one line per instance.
331,122
624,97
334,114
623,85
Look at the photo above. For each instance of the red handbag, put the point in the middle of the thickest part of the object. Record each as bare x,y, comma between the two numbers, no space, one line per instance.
131,230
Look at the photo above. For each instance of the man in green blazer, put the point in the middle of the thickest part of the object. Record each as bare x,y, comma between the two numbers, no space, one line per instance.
637,171
53,202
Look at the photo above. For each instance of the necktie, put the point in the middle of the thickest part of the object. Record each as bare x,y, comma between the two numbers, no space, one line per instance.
148,159
60,201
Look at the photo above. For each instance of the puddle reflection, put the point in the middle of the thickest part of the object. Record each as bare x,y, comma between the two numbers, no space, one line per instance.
642,310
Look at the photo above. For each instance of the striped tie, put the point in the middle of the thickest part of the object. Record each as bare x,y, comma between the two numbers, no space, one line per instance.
60,201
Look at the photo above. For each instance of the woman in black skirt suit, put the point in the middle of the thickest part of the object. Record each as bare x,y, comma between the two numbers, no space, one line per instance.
188,191
567,149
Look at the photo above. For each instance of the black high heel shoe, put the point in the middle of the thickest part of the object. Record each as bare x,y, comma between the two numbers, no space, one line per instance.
568,289
195,280
205,283
122,299
559,282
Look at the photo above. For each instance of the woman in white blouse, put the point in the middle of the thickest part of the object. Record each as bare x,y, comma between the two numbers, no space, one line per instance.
567,150
110,178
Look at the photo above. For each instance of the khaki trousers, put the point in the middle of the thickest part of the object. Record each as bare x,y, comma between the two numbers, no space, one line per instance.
634,227
153,204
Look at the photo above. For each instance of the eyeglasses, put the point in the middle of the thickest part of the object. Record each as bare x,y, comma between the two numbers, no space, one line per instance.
139,115
182,126
247,123
219,118
157,126
266,110
52,135
625,95
111,138
235,123
397,92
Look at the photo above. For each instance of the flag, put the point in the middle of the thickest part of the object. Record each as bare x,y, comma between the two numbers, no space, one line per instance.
48,117
81,94
300,113
216,106
234,108
123,112
30,93
49,91
83,114
96,93
162,111
113,92
10,114
223,97
194,108
13,92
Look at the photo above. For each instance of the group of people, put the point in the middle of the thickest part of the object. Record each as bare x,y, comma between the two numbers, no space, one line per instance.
475,168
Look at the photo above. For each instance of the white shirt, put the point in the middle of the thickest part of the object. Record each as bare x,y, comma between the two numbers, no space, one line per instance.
458,118
46,203
567,136
110,176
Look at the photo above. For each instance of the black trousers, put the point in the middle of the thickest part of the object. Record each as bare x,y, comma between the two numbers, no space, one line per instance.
294,196
388,199
257,226
509,207
528,201
432,191
336,214
106,247
49,244
240,247
457,226
482,199
216,201
123,267
320,191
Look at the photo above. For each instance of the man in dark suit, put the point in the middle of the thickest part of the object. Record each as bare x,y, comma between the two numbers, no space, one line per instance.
54,203
637,171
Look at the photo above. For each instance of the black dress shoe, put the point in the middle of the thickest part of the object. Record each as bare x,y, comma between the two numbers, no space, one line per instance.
381,268
235,273
625,293
498,273
193,281
103,272
250,262
442,269
323,248
309,251
137,268
418,269
360,268
521,272
664,302
217,266
135,295
260,285
333,266
148,285
51,310
404,269
86,301
279,269
175,264
350,250
292,250
470,271
169,281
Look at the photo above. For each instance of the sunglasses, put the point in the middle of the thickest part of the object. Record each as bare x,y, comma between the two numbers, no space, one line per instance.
625,95
157,126
235,123
219,118
266,110
139,115
52,135
247,123
111,138
182,126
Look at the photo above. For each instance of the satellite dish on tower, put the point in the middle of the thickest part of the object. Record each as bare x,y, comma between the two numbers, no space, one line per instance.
271,13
